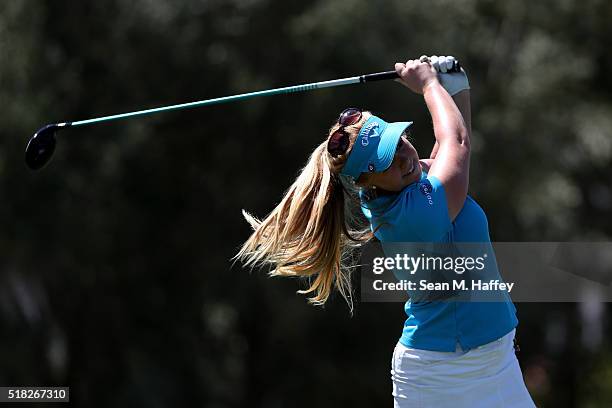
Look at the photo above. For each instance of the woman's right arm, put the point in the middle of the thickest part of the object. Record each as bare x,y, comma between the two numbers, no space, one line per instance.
452,162
452,159
462,100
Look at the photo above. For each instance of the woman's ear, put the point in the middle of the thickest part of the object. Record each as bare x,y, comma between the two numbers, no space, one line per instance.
426,163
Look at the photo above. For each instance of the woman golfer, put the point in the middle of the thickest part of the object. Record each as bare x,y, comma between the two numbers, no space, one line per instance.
450,354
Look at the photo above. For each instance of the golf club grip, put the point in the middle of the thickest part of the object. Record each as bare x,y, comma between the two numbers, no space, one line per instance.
379,76
382,76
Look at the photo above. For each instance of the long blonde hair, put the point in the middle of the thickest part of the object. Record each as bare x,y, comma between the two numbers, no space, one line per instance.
316,229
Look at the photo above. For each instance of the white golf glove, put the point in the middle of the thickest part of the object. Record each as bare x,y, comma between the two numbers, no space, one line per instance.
453,82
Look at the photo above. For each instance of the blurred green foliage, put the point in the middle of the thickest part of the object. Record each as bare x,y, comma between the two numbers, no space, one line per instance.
115,271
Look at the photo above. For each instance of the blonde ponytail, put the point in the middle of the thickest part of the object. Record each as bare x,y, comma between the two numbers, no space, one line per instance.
314,231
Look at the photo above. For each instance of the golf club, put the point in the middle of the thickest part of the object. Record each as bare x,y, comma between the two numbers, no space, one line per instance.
41,146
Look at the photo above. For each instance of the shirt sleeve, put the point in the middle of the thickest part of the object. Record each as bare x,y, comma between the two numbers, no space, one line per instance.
426,211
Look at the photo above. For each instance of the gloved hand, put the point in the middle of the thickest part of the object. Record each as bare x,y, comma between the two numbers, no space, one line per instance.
453,82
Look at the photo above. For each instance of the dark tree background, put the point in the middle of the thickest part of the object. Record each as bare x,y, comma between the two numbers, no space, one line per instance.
115,270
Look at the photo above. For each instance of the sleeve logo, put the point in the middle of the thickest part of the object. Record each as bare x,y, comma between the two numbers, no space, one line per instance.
425,188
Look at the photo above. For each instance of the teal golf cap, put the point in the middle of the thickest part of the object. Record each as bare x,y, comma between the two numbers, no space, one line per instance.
374,147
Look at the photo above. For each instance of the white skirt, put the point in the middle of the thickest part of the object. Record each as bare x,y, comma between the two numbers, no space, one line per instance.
486,376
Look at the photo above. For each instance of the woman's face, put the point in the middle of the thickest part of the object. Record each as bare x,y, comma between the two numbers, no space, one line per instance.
405,169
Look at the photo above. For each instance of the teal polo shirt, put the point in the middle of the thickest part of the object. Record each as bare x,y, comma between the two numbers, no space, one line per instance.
419,213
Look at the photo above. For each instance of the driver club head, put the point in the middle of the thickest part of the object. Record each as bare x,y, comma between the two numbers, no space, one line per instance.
41,146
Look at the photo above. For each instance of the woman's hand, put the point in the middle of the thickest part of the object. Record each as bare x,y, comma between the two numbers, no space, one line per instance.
416,75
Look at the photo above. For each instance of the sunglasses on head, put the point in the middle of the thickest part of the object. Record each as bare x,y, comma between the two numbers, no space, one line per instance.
338,142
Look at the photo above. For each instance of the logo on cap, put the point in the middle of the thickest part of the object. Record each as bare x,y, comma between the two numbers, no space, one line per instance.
370,131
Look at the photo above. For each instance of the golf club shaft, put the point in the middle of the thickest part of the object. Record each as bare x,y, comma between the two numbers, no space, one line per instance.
379,76
41,145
